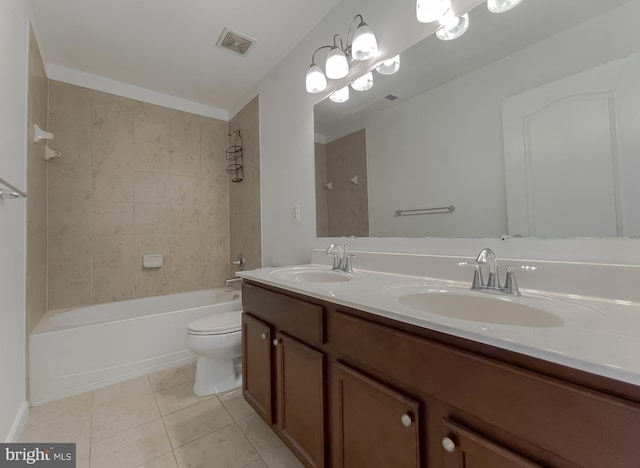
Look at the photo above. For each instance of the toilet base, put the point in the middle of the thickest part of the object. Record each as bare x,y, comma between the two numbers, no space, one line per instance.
216,376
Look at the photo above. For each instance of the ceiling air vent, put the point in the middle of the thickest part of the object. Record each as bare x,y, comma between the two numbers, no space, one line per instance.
391,97
235,42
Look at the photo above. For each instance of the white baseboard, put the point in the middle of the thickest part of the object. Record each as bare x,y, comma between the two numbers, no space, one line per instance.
19,423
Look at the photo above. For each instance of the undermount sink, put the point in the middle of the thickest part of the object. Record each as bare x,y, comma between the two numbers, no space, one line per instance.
308,275
483,307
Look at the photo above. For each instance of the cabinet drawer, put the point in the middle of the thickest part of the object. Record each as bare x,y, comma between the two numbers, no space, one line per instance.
581,425
299,318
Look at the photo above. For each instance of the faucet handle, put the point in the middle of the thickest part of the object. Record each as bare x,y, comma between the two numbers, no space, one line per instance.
510,283
348,264
477,283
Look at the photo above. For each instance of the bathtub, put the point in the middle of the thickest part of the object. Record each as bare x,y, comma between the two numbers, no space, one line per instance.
77,350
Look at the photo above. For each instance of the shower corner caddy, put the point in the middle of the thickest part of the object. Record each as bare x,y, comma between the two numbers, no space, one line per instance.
234,157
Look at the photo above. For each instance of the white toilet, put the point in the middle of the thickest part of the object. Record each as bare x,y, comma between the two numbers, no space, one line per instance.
217,340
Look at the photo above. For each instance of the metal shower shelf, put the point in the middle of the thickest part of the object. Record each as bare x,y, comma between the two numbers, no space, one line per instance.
234,155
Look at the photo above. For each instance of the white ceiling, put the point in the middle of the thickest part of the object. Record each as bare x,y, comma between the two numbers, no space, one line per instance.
168,46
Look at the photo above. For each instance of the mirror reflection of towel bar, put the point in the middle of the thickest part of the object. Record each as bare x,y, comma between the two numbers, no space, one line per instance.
15,192
421,211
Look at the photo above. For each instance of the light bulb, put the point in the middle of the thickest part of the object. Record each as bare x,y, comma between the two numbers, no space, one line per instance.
428,11
340,96
390,66
452,26
364,45
364,83
316,81
500,6
336,66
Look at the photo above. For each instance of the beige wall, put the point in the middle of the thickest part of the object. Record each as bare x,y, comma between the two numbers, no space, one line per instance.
36,278
133,179
322,214
347,202
244,197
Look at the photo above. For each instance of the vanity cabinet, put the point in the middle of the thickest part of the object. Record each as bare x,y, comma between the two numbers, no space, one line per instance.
373,425
404,396
284,377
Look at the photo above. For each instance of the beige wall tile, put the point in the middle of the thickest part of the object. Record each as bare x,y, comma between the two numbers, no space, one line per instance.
244,197
185,130
37,256
113,154
69,217
151,187
151,124
185,190
69,288
112,117
112,218
36,208
192,277
69,182
185,160
187,220
69,108
188,249
152,219
113,253
69,253
111,186
146,182
152,282
152,157
75,146
215,190
111,285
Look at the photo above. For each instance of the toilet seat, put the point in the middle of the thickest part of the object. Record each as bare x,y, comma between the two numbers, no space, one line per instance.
218,324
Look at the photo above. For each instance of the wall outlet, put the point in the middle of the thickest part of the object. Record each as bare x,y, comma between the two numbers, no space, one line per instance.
296,213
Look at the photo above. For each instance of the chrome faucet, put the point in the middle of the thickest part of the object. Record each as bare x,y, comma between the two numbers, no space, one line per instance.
488,257
341,260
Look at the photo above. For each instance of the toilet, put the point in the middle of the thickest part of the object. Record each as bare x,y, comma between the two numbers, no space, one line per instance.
217,340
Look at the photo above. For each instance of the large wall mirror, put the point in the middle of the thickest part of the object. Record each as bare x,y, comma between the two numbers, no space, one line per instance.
527,125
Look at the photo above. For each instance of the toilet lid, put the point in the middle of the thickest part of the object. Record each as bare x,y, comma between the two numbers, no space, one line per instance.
218,324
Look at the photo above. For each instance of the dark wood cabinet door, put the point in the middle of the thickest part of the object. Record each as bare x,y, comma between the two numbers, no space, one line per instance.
301,403
373,425
466,449
256,366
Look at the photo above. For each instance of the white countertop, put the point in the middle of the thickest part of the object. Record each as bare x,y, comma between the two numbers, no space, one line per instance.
600,335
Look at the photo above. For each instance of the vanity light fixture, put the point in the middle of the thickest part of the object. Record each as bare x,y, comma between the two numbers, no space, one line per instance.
342,55
340,96
364,83
390,66
452,26
500,6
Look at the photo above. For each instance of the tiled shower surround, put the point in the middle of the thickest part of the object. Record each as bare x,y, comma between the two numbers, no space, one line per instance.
133,179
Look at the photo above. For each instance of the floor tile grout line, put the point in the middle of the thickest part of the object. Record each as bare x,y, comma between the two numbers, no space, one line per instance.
204,435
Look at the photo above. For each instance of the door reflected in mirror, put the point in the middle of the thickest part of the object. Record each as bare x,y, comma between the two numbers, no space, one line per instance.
527,124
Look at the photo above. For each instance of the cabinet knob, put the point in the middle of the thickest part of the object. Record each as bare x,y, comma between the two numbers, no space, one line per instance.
448,445
264,336
406,420
275,342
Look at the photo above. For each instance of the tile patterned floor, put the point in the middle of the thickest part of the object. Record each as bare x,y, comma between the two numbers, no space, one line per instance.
157,421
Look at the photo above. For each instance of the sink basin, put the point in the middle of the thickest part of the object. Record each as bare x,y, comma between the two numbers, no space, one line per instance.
482,307
307,275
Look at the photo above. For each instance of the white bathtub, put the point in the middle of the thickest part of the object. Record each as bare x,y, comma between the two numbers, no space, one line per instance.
77,350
